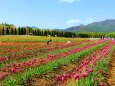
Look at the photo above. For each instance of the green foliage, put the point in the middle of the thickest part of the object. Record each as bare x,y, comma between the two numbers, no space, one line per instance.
95,34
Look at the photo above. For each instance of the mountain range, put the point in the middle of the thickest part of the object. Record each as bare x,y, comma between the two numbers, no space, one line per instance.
102,26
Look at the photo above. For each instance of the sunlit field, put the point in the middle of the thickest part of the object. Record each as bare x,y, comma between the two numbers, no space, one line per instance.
29,61
28,38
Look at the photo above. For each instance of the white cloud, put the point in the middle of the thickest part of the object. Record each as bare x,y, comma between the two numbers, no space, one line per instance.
69,1
75,21
90,20
85,21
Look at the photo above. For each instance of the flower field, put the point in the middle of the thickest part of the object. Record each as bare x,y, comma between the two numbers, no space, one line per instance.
29,61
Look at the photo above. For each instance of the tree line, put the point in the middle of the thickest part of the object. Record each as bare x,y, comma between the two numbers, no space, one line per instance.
6,29
10,29
96,34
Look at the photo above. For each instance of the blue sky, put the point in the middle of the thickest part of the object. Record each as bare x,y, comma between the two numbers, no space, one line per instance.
55,13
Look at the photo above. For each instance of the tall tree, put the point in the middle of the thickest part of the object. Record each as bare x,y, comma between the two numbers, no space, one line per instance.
11,32
7,31
15,31
3,31
19,30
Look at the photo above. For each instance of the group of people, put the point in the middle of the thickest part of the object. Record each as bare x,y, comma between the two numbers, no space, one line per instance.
70,42
107,38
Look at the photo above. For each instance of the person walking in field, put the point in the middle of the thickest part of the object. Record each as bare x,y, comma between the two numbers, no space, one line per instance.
49,41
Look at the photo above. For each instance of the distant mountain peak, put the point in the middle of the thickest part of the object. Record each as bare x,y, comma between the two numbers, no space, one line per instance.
34,27
102,26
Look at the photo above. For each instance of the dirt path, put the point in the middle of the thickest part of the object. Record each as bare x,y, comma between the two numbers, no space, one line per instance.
111,75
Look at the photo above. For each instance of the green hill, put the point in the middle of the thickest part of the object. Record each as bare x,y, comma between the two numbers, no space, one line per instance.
103,26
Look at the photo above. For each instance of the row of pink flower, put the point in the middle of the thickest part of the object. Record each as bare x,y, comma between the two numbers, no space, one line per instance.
73,51
19,67
45,60
25,64
84,69
15,54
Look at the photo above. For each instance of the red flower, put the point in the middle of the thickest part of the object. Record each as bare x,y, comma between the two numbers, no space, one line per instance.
95,79
13,70
76,69
77,76
11,79
1,76
20,70
102,84
91,70
65,75
68,75
73,73
8,65
62,79
57,77
4,69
